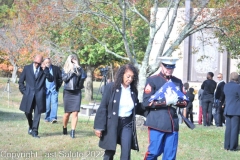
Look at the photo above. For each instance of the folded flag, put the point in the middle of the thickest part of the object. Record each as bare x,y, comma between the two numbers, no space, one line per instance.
169,88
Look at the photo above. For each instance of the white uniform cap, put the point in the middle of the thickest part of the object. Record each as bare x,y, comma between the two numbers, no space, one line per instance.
169,62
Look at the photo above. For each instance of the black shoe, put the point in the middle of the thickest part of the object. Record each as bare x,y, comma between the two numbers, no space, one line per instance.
72,134
65,131
35,135
30,131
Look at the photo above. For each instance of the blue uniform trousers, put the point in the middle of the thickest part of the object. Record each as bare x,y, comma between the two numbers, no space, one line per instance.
161,142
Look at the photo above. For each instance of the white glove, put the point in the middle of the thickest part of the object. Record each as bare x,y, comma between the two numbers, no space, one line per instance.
171,97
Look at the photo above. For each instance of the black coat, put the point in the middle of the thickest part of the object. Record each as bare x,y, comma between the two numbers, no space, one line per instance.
209,87
106,118
219,92
163,118
31,88
57,75
191,97
232,99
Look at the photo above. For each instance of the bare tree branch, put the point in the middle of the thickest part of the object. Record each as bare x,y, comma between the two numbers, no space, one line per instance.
106,48
134,9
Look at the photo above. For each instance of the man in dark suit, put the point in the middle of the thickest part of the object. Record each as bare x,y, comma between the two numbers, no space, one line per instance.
52,89
32,86
219,98
232,112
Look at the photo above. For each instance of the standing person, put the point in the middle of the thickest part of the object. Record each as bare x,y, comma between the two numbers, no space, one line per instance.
200,92
102,88
219,99
115,119
185,87
162,119
52,89
232,112
189,108
72,95
208,87
32,86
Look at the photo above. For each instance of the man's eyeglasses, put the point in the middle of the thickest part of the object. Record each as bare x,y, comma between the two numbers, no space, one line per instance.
37,63
219,77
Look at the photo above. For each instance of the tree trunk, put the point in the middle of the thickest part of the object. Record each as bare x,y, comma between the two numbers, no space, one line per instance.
88,84
142,81
14,73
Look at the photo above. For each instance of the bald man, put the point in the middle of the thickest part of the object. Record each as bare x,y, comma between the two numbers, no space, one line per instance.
32,86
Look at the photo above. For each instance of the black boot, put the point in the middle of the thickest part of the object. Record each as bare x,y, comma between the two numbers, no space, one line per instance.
65,131
72,134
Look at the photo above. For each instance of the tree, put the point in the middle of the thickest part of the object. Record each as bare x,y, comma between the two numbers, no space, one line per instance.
23,32
229,28
124,12
18,41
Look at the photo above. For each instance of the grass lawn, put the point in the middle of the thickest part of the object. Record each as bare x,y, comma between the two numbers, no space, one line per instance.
198,144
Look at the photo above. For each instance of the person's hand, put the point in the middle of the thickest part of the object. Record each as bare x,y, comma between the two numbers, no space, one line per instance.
43,66
98,133
74,61
150,104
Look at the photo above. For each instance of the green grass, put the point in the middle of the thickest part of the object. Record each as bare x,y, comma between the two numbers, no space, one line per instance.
198,144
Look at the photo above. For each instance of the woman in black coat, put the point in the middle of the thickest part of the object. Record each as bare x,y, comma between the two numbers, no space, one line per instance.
232,112
115,119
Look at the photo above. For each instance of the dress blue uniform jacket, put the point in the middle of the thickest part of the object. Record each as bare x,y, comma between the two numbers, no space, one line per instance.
162,118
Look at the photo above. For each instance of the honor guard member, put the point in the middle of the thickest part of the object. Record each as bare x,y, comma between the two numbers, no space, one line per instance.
162,119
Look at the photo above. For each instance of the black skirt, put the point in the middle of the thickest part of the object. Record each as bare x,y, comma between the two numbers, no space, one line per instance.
72,100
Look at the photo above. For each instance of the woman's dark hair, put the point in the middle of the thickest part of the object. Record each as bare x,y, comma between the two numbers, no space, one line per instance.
119,77
191,90
211,74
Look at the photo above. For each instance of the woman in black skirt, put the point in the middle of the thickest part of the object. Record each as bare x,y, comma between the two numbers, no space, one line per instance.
71,76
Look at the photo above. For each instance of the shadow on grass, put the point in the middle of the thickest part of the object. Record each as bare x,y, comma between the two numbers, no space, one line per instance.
11,116
78,133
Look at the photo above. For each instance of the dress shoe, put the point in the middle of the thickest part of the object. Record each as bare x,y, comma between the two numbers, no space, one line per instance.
30,131
65,131
72,134
35,136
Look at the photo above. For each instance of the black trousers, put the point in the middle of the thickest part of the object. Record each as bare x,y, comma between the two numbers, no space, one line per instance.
231,132
189,113
218,117
207,111
33,121
125,139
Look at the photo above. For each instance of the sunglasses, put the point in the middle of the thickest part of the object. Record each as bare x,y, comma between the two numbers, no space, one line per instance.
37,63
